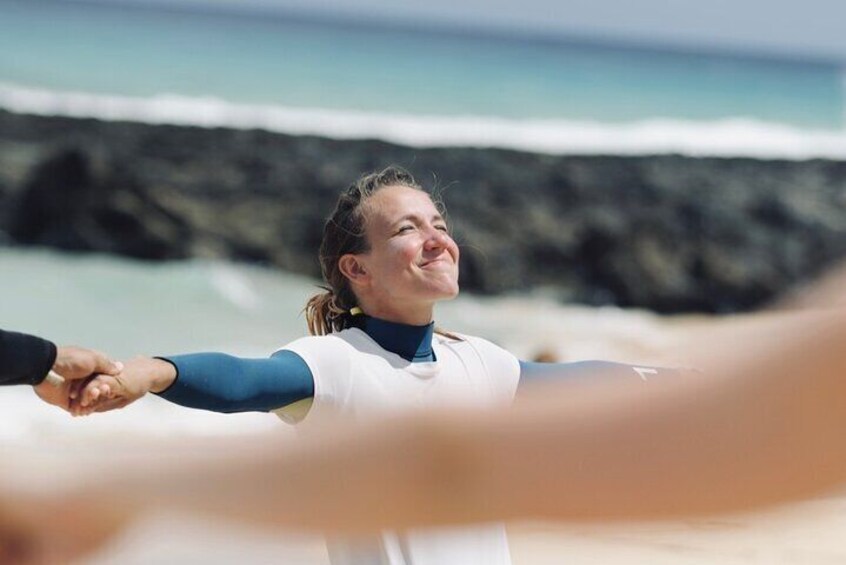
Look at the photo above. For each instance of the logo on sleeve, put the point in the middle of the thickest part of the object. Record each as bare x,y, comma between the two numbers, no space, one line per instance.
643,371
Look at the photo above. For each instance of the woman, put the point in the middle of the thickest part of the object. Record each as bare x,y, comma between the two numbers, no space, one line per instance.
387,258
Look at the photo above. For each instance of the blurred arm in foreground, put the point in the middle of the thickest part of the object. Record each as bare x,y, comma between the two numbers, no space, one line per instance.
762,425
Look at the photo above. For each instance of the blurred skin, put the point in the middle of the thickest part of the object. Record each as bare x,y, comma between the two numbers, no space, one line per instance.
48,530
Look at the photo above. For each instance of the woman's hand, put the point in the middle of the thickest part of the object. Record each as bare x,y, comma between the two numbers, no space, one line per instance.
111,392
76,365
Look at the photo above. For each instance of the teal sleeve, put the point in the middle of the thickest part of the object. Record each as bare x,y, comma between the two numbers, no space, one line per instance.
223,383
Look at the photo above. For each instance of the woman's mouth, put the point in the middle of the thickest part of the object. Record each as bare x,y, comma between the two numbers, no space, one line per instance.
433,263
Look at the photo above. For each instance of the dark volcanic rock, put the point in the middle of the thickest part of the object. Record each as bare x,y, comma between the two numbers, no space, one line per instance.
67,204
668,233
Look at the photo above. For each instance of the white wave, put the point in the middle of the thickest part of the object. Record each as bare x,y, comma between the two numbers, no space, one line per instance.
235,287
736,137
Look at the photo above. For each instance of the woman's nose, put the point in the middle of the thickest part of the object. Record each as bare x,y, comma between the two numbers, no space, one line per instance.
436,238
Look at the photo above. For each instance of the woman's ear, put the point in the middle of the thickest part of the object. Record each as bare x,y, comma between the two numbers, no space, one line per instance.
352,267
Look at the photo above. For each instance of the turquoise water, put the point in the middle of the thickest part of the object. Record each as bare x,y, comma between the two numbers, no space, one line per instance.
299,64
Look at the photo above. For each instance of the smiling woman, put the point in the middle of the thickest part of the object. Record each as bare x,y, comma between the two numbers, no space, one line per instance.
387,259
386,249
412,262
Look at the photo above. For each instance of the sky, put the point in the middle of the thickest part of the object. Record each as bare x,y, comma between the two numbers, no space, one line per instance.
799,28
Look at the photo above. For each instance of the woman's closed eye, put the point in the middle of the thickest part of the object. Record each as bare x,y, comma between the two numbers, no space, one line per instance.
409,227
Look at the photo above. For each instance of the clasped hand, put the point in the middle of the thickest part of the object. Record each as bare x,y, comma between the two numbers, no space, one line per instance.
93,383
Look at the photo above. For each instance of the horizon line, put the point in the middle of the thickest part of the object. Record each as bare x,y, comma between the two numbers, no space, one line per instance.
492,31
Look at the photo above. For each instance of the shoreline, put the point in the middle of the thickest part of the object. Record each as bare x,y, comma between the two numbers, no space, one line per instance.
724,138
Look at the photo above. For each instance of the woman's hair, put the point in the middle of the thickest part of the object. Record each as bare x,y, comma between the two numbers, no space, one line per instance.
344,233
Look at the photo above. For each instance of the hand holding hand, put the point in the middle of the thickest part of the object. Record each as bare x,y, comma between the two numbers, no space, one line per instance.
74,364
77,363
110,392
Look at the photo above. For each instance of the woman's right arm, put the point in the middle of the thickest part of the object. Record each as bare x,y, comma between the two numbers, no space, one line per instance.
207,381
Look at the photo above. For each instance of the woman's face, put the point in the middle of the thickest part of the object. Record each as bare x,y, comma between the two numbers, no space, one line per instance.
412,258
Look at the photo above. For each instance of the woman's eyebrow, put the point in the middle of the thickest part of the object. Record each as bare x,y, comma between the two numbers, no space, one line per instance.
415,218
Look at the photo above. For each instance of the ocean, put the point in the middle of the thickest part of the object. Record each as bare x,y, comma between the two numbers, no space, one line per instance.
412,85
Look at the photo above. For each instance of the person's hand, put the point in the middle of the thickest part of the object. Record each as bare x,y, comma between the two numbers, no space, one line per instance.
74,364
111,392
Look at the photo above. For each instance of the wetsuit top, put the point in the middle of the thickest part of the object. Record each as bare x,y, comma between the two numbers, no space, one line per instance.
223,383
24,359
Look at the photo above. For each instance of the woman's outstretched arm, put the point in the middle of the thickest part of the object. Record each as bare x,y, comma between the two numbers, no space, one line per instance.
207,381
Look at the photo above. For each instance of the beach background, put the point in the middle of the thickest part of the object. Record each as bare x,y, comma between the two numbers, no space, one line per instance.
164,170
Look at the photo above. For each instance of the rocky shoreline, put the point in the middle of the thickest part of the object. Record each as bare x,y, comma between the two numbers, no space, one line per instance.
668,233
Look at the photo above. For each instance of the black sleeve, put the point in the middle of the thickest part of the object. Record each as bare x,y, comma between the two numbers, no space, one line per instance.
24,359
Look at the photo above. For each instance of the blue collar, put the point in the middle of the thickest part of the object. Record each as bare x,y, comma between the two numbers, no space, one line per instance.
412,343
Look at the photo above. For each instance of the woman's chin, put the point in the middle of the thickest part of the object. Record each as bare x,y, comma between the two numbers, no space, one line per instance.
436,289
448,293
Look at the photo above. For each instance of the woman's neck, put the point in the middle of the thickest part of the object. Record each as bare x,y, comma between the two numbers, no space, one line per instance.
412,343
420,316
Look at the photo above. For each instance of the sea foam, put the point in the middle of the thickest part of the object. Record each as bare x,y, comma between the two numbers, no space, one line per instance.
736,137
